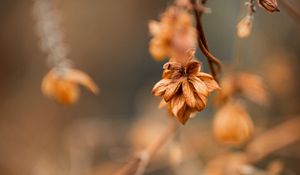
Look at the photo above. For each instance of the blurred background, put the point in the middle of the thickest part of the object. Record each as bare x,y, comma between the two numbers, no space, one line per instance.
109,40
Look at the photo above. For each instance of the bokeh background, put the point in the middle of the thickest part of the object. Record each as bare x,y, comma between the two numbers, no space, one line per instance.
109,40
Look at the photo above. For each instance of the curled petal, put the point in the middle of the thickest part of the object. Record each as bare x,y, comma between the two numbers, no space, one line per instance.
209,81
160,87
171,90
200,87
184,114
193,67
201,102
188,94
82,78
173,66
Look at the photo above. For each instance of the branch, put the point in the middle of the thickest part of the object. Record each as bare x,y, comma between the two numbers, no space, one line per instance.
214,63
274,139
291,9
138,164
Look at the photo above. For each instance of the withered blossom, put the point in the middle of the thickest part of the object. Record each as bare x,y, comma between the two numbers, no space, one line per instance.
184,88
62,85
232,124
244,27
269,5
249,85
173,35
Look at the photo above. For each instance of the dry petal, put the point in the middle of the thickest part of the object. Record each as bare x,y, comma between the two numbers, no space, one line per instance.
193,67
171,89
80,77
184,114
209,81
188,94
200,87
177,103
160,87
62,85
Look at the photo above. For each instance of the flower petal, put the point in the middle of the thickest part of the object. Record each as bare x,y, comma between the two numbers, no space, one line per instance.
209,81
176,104
82,78
201,102
171,89
193,67
184,114
188,94
160,87
200,87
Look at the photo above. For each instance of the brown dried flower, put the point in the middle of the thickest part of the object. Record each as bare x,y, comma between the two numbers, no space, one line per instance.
184,88
244,27
249,85
62,84
173,35
269,5
232,124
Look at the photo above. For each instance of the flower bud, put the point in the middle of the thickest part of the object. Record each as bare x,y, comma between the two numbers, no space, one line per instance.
244,27
232,124
269,5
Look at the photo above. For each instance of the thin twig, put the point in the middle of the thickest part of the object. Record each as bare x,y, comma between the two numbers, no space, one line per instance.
202,42
274,139
138,164
291,9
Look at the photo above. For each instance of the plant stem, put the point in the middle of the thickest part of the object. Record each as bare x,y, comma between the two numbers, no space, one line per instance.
291,9
138,164
202,42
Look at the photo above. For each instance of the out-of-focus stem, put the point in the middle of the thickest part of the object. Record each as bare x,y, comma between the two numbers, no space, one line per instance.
291,9
138,164
273,140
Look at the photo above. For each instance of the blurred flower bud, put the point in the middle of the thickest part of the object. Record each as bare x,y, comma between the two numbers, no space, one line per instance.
232,124
244,27
269,5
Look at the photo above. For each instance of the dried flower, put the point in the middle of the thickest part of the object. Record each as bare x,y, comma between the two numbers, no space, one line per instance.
184,88
244,27
269,5
173,35
232,124
62,84
249,85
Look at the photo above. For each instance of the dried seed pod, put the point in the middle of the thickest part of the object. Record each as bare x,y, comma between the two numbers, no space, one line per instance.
232,124
184,88
269,5
62,85
244,27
